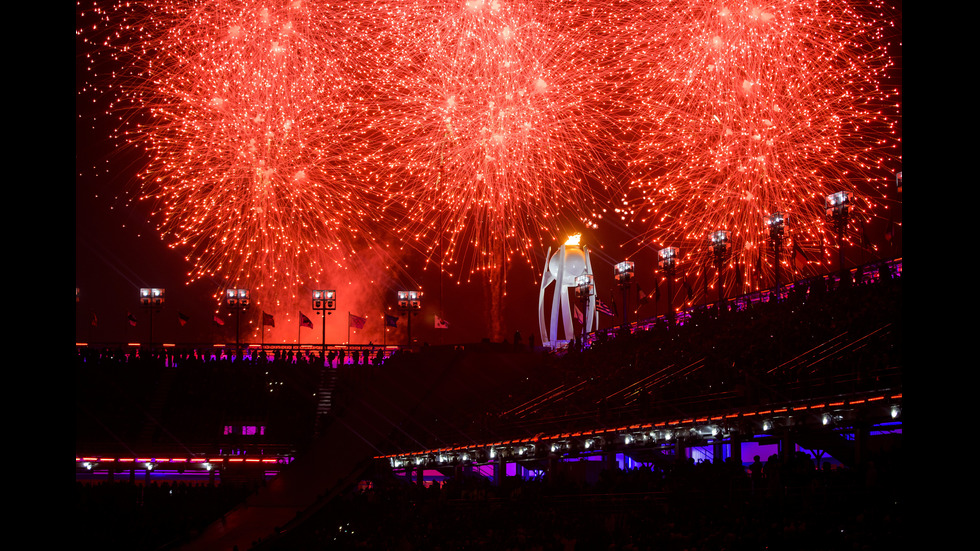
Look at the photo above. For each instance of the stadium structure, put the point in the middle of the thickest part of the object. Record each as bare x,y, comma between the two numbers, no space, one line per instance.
773,418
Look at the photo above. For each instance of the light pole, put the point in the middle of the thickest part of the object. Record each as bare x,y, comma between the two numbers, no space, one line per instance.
584,289
719,247
623,272
325,302
237,300
838,207
409,302
78,294
152,298
777,225
668,263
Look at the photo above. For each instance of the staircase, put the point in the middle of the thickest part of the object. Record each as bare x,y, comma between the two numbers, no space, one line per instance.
325,395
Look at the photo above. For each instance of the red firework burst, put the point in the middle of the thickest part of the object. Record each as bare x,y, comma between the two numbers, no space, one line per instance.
487,125
494,123
745,109
245,112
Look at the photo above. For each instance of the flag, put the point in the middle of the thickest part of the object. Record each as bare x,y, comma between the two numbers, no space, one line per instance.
355,321
131,318
391,321
690,291
183,318
738,276
579,317
268,319
890,232
305,321
95,320
799,257
642,297
441,323
604,308
612,297
218,320
865,240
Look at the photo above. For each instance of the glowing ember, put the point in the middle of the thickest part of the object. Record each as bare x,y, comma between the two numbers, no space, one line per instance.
493,115
745,109
284,137
244,111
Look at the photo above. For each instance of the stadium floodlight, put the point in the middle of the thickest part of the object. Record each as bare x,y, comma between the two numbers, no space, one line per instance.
237,300
719,247
152,299
838,203
776,223
667,260
409,302
838,209
777,226
584,286
584,291
623,272
719,241
325,302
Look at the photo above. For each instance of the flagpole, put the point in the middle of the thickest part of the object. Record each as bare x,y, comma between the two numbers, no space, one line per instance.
636,313
348,330
704,301
656,298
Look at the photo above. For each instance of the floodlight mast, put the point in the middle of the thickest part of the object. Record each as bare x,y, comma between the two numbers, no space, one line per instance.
238,301
585,292
667,259
623,272
838,210
410,302
777,226
325,302
152,299
719,247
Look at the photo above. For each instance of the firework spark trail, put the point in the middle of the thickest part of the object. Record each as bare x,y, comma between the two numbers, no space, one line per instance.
248,135
747,109
281,133
492,116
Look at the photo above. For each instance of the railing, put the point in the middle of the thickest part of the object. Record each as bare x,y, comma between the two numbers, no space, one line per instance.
123,353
